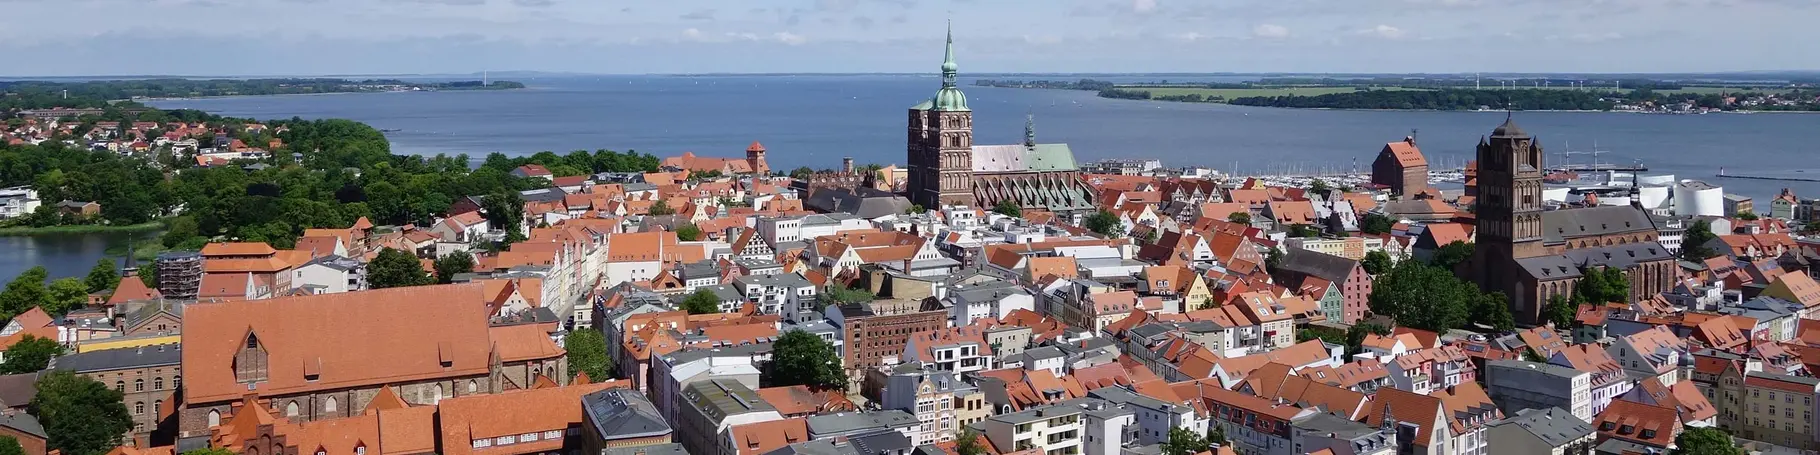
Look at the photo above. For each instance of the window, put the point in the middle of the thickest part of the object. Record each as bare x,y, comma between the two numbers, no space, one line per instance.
528,437
138,408
157,406
360,449
157,383
473,387
214,418
176,381
120,386
552,434
329,404
503,440
138,385
290,410
483,443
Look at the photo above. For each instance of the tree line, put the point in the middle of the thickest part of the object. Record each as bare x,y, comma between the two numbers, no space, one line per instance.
1442,99
90,94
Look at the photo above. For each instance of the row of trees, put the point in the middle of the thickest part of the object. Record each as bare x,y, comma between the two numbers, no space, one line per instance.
1448,99
41,94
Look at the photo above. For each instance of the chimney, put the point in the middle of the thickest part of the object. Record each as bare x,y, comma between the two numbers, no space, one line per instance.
846,165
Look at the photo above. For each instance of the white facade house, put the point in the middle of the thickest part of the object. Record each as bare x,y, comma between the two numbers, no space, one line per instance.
789,295
18,201
995,299
802,228
330,275
1055,429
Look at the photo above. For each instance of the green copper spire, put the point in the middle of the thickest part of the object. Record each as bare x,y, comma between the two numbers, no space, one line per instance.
1030,130
949,68
950,97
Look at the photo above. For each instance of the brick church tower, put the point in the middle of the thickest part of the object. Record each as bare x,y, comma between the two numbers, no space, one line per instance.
940,143
1509,209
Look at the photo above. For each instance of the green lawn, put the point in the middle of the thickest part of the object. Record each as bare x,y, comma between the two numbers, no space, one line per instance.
1230,93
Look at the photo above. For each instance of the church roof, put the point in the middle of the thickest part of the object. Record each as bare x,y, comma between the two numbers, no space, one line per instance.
1619,256
1561,225
1549,268
1019,158
1509,129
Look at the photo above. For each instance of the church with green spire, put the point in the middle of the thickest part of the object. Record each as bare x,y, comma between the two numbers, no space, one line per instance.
947,168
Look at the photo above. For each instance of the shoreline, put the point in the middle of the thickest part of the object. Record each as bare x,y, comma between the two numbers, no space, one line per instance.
195,98
1408,110
26,231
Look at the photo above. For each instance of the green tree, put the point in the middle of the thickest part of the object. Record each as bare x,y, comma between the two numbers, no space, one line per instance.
1376,262
703,301
1530,355
1239,217
801,358
394,268
1694,246
1745,215
1007,208
103,277
65,294
448,266
966,443
1494,310
915,208
24,292
1303,231
1106,224
10,446
688,232
802,173
1705,441
1375,223
1273,259
1184,442
1560,311
660,208
587,351
1617,286
81,416
1319,186
505,210
836,294
1452,254
1216,434
31,354
1423,296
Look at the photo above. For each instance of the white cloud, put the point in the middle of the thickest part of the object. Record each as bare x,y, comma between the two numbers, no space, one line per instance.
789,38
1384,31
1270,31
1190,36
1143,6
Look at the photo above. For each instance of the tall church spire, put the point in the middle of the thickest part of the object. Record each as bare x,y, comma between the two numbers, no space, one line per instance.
1030,130
950,98
949,69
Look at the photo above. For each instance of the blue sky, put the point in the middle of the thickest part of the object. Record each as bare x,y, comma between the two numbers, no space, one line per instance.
272,37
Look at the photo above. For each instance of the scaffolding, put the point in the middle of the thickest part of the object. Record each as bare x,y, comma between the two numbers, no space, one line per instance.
180,275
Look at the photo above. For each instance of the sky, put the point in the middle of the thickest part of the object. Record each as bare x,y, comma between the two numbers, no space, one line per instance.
329,37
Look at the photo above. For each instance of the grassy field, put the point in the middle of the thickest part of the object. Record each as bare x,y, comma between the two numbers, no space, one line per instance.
1230,93
80,229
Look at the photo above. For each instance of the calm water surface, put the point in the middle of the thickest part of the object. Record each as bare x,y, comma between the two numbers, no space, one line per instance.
816,120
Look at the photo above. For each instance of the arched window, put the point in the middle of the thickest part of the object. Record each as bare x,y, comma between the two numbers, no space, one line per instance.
138,385
473,387
252,341
157,383
138,407
290,410
437,398
214,418
329,405
176,381
157,407
119,386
